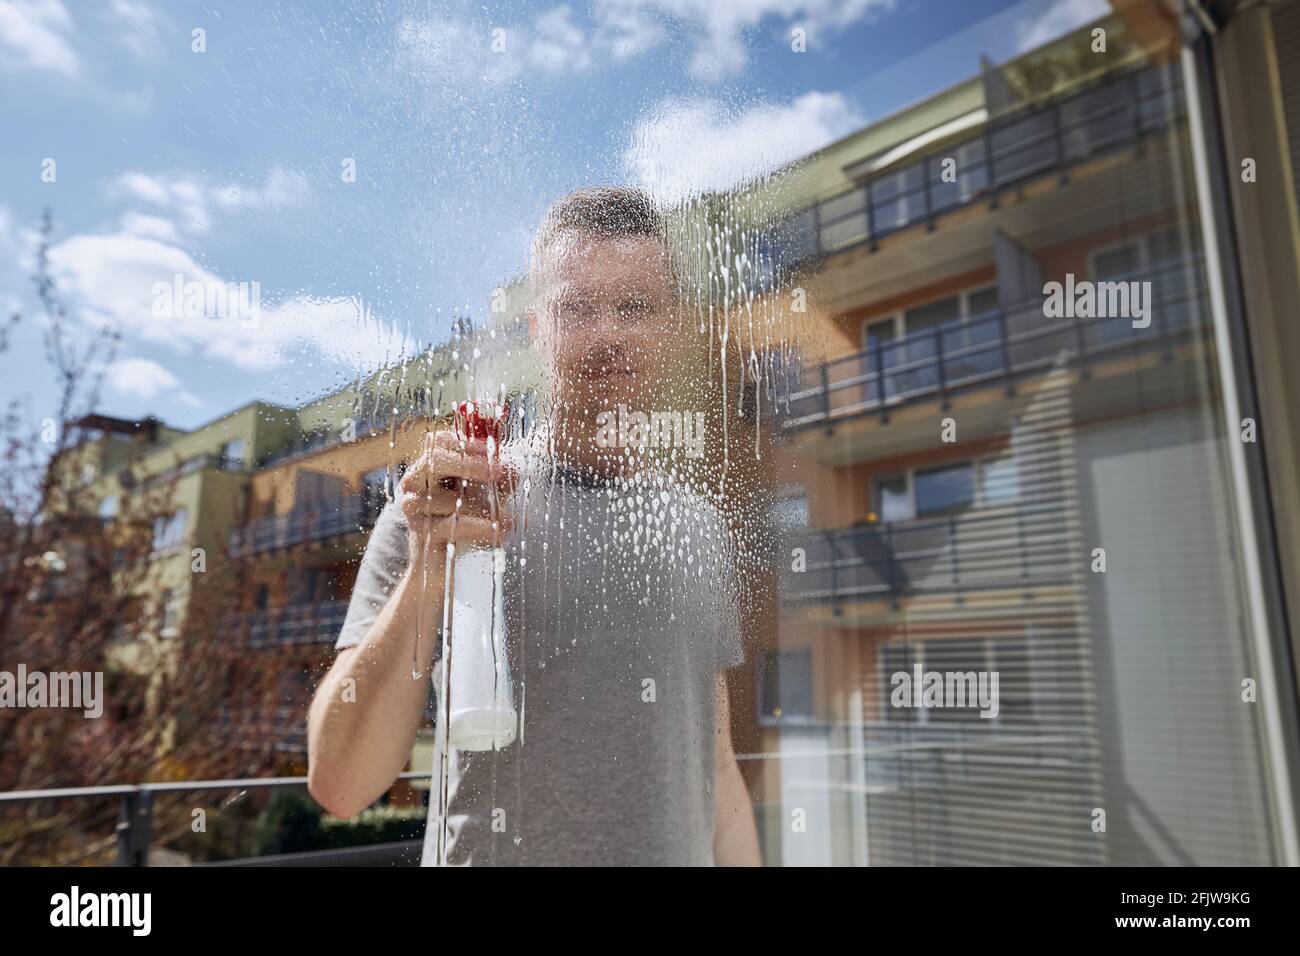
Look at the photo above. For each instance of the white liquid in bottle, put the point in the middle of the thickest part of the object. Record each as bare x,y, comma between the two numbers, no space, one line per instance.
482,711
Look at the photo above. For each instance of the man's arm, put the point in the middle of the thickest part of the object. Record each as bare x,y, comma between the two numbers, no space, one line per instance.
366,712
735,838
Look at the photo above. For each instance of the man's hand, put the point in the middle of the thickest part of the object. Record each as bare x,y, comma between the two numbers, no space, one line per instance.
452,493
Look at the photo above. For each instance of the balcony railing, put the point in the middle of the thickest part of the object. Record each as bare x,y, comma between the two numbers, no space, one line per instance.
1001,345
135,820
316,521
295,624
1007,152
994,548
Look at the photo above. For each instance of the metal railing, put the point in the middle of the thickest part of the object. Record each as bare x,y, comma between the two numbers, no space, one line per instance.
1009,546
1001,345
135,817
1006,153
317,623
315,521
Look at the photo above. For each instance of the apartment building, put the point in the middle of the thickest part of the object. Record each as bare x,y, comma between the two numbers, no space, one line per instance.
974,481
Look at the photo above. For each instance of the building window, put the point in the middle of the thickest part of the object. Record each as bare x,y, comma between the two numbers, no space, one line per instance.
785,692
170,624
894,499
375,491
945,489
983,482
999,481
169,531
232,454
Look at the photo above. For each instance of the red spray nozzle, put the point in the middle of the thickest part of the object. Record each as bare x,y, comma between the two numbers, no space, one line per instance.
480,421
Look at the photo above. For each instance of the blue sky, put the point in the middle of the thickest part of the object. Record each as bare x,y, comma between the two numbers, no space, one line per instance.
226,165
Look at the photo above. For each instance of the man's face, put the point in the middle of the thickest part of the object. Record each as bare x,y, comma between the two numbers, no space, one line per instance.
607,322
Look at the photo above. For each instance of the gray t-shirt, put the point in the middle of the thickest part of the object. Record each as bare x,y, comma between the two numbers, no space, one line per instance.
617,625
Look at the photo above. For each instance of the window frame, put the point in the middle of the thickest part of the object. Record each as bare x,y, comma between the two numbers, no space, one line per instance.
899,316
978,465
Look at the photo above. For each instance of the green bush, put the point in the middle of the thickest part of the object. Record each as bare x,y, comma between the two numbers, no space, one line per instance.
289,824
293,823
376,825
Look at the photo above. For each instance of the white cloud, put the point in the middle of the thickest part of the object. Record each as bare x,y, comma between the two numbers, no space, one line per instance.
720,28
1062,17
686,147
34,34
192,201
139,378
559,46
110,280
447,50
150,227
184,198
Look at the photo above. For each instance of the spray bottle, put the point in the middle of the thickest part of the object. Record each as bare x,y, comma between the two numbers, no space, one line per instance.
482,712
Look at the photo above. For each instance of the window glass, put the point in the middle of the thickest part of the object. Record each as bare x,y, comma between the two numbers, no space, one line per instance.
787,686
945,312
944,489
893,500
643,381
999,480
790,513
980,303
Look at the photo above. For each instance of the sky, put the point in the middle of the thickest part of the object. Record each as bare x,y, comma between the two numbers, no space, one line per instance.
228,156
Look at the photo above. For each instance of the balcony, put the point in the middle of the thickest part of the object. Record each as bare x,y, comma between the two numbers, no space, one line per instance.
317,521
997,348
1016,547
1006,153
291,626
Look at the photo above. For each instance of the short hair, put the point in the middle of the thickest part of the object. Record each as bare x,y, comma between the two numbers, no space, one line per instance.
604,212
601,213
